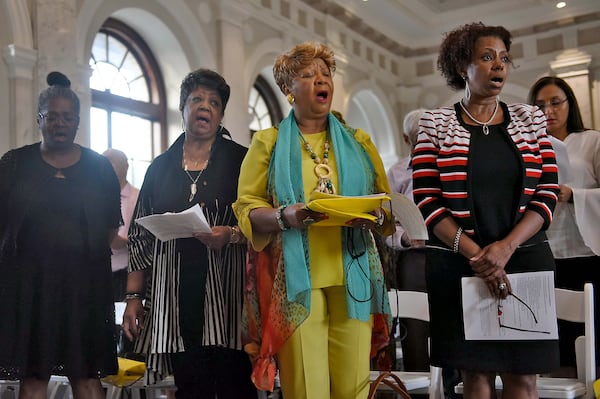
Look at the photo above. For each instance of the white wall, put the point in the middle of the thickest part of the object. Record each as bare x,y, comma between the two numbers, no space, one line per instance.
240,39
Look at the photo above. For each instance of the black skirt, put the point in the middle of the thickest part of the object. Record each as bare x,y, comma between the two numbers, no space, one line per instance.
444,271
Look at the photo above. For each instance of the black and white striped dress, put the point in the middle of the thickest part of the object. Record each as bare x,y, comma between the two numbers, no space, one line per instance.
194,293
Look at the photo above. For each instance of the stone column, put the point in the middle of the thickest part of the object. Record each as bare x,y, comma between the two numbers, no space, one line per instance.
231,56
55,31
22,102
573,66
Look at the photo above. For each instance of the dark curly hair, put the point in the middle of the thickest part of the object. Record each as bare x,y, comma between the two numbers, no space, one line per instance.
59,87
456,51
574,119
205,78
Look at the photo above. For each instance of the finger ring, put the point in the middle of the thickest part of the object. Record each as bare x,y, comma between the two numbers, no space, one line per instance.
502,286
307,221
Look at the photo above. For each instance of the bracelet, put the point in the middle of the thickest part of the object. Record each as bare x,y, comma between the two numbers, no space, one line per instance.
279,216
235,236
457,239
133,295
380,217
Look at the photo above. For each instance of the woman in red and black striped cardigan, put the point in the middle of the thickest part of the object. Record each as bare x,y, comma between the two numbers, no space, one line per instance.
485,179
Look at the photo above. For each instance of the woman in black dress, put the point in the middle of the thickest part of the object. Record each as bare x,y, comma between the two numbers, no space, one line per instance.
485,179
60,211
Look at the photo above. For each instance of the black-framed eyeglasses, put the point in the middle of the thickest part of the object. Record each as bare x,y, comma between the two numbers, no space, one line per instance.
502,325
53,117
554,103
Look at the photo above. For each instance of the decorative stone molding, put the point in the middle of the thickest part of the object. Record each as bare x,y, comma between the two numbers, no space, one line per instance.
571,62
20,61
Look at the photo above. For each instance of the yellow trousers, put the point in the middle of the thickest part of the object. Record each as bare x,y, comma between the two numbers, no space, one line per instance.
327,357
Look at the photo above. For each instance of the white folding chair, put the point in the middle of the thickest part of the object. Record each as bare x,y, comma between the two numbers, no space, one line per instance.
9,389
575,306
414,305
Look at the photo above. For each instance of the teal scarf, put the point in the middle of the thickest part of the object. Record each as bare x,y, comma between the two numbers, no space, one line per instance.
355,177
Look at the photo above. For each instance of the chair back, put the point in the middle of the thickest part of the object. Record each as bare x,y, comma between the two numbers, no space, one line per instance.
409,304
578,307
415,305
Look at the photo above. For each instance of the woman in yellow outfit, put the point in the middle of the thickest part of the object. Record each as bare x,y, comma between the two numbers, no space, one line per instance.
315,294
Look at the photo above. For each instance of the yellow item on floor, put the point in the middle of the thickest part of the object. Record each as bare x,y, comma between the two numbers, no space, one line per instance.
130,371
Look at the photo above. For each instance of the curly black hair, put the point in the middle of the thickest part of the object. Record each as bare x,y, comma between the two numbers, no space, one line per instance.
206,78
456,51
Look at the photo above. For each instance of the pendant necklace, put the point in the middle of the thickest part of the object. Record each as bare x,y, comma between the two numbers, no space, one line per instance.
486,129
193,186
322,169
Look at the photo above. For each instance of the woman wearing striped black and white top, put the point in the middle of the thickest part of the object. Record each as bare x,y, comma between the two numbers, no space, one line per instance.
190,322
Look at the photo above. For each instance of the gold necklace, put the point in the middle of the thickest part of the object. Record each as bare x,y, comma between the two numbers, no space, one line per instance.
322,169
486,129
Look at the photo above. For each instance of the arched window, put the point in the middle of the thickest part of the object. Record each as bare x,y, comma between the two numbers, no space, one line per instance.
263,106
128,98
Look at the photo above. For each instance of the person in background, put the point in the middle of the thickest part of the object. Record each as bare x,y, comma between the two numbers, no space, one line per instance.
408,256
129,195
190,322
400,177
59,214
574,235
315,293
487,200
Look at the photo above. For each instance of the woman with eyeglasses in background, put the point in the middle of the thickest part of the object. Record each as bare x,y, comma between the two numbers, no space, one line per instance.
60,211
574,235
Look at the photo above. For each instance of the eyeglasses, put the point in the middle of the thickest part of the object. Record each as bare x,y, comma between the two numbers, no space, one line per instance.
554,104
502,325
54,117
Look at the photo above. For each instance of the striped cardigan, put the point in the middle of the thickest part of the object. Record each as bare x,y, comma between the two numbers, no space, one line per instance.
442,185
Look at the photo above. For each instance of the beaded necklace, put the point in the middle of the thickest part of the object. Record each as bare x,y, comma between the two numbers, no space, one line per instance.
322,169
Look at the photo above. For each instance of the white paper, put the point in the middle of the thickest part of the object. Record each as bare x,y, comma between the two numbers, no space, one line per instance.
168,226
409,216
562,160
480,309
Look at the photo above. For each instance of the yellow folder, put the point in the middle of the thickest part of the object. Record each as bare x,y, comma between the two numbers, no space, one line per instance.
340,210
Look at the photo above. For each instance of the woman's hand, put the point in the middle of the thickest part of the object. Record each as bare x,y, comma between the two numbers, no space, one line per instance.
217,239
565,194
133,318
489,265
363,224
297,216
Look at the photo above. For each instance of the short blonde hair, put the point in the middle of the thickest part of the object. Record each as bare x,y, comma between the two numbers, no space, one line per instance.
288,64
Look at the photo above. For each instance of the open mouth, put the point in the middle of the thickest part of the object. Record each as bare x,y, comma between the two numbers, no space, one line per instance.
202,119
497,80
322,95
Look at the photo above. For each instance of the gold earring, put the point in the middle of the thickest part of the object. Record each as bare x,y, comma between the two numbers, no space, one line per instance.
290,98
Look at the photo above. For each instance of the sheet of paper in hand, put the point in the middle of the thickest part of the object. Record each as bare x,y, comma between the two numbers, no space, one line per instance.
168,226
408,215
529,313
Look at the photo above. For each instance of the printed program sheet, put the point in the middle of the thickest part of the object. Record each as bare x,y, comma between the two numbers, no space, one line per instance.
529,314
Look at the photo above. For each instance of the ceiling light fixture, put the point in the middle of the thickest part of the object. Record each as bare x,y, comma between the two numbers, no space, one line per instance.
561,4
